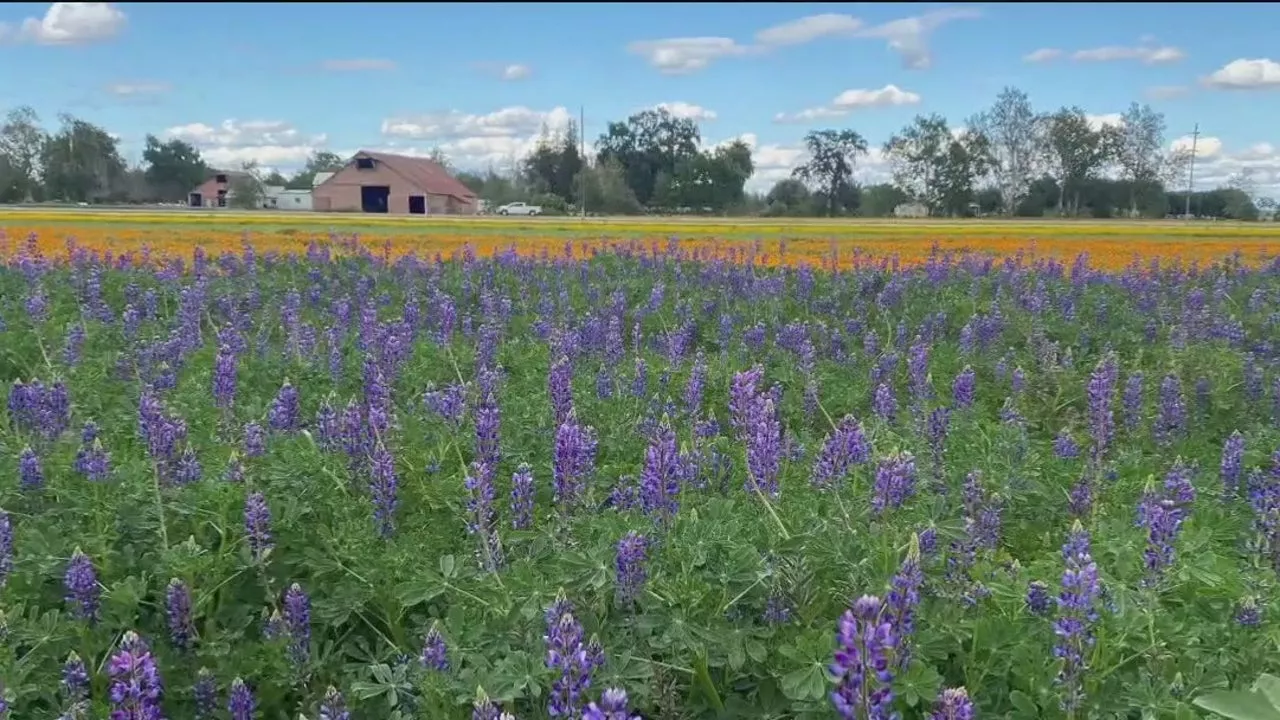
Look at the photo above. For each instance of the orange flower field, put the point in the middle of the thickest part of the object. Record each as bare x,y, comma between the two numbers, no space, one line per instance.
1109,245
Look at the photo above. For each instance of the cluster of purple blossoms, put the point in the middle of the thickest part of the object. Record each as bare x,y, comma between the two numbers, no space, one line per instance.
488,420
485,709
884,404
660,477
255,440
522,496
435,652
92,461
384,490
30,472
83,595
895,482
612,706
75,686
6,547
483,521
1161,513
257,525
224,377
448,403
903,599
297,622
1232,466
241,704
953,704
162,433
631,566
574,659
284,414
574,462
1100,392
560,387
1171,416
35,408
71,350
864,661
135,689
964,388
1077,614
1065,447
845,447
753,414
333,706
1038,600
182,629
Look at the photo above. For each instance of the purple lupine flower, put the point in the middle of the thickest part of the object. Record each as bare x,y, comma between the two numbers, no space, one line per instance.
612,706
74,345
334,706
234,472
1161,513
884,404
135,689
895,482
328,429
631,565
240,702
81,583
1132,400
862,664
449,402
6,547
743,394
93,462
568,654
285,412
1171,416
297,621
522,491
953,704
764,447
205,692
30,474
1100,390
488,420
182,629
845,447
224,377
560,387
963,389
660,477
255,440
485,709
1231,467
902,600
435,652
574,461
483,521
1065,447
918,369
694,390
187,470
75,680
384,489
1077,613
1038,600
1248,614
257,525
273,627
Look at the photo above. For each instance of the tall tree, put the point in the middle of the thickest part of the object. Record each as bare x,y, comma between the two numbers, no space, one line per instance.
917,155
646,144
1075,152
21,144
320,161
1140,151
833,156
173,168
81,162
968,158
1016,133
555,163
246,190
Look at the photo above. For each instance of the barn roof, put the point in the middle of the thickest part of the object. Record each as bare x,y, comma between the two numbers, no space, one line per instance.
428,175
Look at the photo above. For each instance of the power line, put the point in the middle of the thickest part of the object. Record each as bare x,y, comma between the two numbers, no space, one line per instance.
1191,171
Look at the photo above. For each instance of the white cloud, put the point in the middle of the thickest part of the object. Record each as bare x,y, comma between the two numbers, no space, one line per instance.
687,111
1145,54
906,36
273,143
1206,146
851,100
1042,55
809,28
359,65
1097,122
138,89
1259,162
682,56
516,72
909,36
1165,92
1245,74
68,23
476,140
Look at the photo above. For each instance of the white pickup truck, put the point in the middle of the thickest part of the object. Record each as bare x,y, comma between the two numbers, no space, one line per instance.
519,208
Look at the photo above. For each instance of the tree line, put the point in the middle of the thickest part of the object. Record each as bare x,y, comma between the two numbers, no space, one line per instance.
1009,159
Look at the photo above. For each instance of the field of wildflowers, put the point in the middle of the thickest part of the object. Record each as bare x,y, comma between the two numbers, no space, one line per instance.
612,479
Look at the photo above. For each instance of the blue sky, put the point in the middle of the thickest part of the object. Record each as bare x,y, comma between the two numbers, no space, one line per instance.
272,82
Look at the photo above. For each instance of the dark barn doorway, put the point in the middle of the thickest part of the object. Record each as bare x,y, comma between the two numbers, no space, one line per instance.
374,198
417,205
195,200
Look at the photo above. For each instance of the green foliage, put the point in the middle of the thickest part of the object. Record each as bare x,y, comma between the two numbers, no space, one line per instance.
1260,702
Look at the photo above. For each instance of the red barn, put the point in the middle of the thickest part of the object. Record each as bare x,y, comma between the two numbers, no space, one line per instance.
397,184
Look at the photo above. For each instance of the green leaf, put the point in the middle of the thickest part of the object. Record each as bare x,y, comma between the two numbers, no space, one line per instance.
1238,705
419,591
1023,703
807,683
447,566
1269,686
702,677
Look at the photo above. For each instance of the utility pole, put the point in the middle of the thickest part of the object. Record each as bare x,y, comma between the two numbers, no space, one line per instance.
1191,172
582,155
